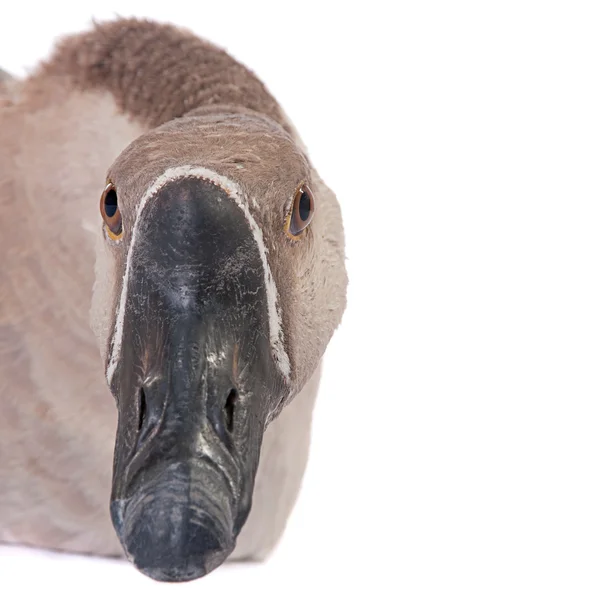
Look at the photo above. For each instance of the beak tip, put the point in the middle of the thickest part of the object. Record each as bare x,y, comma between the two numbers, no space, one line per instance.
167,543
174,573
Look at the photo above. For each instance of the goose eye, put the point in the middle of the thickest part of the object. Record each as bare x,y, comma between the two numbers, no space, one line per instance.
109,207
303,210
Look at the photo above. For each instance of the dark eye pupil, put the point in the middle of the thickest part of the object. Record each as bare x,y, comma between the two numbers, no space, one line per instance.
304,206
110,204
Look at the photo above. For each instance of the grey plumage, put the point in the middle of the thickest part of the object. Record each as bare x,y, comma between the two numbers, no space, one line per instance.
181,104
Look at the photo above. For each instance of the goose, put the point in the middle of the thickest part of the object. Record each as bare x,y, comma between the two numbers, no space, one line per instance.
172,272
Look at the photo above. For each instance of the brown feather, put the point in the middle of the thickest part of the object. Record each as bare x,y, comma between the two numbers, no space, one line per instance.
158,72
60,130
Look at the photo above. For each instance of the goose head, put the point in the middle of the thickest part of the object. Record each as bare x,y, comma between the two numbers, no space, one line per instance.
220,279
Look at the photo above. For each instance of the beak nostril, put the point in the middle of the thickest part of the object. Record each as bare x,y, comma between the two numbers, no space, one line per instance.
149,415
229,409
142,409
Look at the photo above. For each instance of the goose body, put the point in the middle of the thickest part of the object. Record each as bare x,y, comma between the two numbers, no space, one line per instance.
138,374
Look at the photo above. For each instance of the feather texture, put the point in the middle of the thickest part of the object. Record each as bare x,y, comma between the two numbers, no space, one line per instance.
60,130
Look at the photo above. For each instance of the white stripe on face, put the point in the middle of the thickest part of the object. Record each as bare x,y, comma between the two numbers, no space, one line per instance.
234,192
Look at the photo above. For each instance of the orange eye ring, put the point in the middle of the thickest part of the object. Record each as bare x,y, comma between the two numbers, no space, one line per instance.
302,212
111,214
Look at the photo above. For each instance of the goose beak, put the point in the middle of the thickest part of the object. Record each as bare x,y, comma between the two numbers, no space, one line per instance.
194,383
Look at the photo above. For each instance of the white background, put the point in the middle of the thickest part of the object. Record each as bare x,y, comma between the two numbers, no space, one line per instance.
456,442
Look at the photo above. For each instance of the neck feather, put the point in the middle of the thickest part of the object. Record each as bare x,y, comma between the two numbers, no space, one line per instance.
158,72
